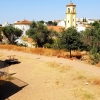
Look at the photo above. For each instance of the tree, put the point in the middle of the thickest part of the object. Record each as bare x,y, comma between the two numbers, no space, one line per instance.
70,40
55,23
41,21
11,33
91,37
96,25
83,20
39,33
50,23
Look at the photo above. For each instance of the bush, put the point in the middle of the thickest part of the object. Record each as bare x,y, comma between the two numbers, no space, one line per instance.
94,56
47,45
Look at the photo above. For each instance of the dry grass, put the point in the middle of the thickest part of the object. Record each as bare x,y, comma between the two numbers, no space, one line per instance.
76,81
83,90
88,95
61,68
3,77
91,79
55,78
94,80
44,51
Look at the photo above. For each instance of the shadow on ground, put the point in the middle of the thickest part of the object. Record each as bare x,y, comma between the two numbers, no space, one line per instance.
12,62
8,62
12,86
9,88
3,64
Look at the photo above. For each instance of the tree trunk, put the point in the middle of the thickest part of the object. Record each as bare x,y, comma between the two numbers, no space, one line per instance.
70,54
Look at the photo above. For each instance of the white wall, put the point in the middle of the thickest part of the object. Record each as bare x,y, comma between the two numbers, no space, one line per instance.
90,21
24,28
80,28
61,23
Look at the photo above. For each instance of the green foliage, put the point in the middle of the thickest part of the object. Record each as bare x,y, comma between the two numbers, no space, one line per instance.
94,56
88,96
39,33
83,20
33,25
47,45
55,23
50,23
70,39
11,33
41,21
55,44
91,37
96,24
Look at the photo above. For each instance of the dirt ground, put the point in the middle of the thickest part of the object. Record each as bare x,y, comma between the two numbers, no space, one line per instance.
51,78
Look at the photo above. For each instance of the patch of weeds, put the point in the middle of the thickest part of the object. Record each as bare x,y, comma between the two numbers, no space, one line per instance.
95,81
81,76
10,77
58,66
64,68
88,96
54,65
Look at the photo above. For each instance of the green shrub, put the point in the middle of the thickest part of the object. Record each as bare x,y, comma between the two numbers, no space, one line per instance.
94,56
47,45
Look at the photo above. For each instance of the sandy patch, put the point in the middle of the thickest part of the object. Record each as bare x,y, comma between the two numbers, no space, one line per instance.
52,78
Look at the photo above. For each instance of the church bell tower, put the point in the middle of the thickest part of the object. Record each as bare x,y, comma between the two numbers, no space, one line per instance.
70,15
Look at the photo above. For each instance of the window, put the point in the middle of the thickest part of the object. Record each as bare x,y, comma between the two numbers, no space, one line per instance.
73,9
68,10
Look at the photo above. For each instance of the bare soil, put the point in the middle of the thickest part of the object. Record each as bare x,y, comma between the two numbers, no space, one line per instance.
50,78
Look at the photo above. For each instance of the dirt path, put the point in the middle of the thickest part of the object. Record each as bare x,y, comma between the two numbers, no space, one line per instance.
48,81
74,63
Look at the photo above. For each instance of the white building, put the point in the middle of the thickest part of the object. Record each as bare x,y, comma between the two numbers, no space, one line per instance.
5,24
61,23
80,28
90,21
24,25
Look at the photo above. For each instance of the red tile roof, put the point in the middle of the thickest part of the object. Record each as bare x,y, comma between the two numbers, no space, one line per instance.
25,22
56,28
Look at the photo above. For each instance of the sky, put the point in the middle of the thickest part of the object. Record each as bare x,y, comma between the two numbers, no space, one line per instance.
47,10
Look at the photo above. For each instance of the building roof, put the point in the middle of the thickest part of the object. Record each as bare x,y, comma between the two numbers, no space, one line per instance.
25,22
0,26
71,4
56,28
57,20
